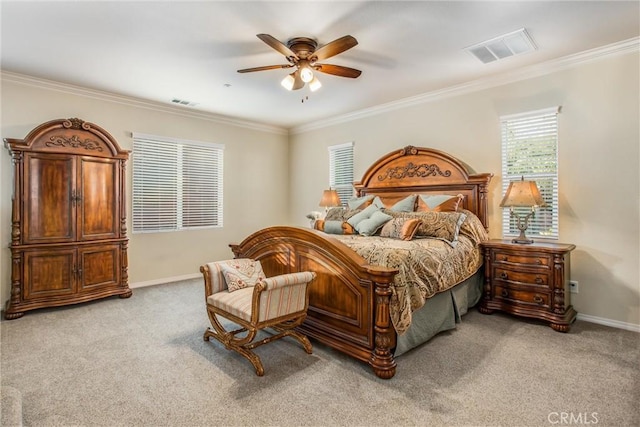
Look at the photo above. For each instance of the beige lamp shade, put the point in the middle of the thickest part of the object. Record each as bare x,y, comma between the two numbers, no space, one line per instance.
330,198
522,193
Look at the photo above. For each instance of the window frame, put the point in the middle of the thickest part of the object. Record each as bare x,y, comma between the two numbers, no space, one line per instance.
179,208
540,129
343,182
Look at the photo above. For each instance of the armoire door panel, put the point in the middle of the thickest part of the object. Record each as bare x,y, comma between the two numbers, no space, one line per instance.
98,201
99,266
49,199
49,273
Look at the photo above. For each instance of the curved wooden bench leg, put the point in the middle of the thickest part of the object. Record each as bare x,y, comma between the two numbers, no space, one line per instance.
251,357
231,342
287,329
302,339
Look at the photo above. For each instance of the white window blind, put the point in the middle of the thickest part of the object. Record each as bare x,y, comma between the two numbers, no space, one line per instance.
177,184
530,150
341,170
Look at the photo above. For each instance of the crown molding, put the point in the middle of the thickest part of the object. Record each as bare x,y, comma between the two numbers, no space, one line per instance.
26,80
615,49
624,47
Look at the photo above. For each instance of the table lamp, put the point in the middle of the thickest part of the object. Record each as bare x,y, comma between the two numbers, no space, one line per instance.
522,194
330,199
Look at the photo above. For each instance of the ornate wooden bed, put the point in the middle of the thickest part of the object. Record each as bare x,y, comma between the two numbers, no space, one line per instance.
349,300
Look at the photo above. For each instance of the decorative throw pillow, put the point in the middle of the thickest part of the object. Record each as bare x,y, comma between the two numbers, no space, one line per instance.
377,201
340,214
360,202
443,225
362,215
405,205
335,214
439,203
241,273
348,228
401,228
472,228
369,226
334,227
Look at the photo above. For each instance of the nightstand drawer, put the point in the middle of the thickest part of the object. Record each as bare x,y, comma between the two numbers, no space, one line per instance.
538,299
506,274
516,258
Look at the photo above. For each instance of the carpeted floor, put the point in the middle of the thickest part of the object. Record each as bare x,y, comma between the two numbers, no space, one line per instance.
142,361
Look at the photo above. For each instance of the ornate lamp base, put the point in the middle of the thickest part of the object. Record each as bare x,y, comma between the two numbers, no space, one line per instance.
522,239
523,224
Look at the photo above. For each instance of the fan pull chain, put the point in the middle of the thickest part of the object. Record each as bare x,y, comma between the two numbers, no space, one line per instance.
306,98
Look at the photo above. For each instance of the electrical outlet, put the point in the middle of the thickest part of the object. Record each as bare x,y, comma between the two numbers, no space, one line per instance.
573,286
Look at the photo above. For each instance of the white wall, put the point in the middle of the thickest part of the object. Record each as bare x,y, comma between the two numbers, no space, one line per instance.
255,174
274,179
598,165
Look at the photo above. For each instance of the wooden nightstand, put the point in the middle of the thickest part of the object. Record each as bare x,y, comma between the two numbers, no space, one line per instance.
529,280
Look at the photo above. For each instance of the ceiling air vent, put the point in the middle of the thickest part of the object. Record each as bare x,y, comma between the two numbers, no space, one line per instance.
504,46
183,102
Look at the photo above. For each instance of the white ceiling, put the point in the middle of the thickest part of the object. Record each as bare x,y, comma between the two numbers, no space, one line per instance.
160,50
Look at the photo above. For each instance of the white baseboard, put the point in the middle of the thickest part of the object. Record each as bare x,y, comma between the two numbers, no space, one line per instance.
608,322
164,280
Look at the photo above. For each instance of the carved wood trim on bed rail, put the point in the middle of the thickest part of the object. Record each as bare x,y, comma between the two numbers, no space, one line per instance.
345,325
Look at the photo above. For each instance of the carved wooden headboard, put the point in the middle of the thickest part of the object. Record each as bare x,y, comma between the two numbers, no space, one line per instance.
418,170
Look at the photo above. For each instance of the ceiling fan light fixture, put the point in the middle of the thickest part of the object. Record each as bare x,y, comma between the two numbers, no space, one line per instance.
306,74
302,53
288,81
315,84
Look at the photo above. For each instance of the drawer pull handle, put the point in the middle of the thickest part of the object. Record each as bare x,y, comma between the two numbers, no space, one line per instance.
504,275
538,299
538,261
539,280
504,258
505,293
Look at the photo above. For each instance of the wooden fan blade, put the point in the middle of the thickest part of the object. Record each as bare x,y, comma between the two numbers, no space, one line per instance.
338,70
277,45
266,67
333,48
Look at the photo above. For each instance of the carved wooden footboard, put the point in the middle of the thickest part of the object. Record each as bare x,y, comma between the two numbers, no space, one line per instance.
348,300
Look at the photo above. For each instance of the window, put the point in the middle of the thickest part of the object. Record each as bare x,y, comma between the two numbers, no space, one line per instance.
177,184
530,150
341,170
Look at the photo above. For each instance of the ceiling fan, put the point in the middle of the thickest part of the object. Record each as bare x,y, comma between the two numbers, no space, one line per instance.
302,54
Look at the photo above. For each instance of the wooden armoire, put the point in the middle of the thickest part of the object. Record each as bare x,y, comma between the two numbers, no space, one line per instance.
68,231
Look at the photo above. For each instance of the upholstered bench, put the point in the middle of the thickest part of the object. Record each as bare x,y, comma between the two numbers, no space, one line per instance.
238,290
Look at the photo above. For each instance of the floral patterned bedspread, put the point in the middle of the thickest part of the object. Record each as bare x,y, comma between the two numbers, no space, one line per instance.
426,267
